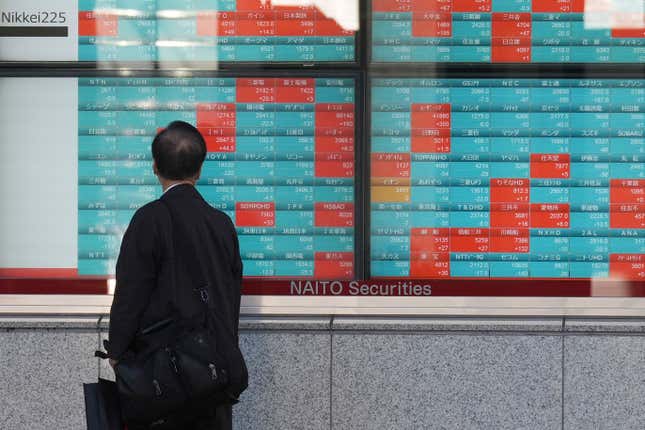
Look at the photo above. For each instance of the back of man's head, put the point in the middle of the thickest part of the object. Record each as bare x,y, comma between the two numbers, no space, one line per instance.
179,151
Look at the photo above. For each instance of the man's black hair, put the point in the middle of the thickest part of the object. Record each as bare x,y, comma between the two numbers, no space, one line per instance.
179,151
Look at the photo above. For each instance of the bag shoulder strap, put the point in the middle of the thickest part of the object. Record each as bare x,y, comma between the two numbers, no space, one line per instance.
182,245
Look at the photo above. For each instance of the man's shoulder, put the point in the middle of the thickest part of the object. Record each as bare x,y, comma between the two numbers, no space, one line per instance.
219,216
148,212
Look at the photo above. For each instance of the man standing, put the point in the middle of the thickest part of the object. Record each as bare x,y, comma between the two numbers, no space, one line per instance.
148,269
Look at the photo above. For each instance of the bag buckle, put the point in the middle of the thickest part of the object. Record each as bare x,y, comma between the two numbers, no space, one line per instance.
203,293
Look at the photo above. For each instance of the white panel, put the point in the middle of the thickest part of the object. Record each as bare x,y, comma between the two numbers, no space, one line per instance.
39,48
38,172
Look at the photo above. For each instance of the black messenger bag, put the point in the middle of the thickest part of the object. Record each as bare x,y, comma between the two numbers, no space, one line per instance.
181,365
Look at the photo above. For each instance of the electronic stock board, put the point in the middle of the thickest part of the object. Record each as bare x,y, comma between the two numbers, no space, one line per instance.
519,178
501,31
280,163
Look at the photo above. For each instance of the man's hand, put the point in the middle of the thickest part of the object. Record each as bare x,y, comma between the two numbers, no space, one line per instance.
113,362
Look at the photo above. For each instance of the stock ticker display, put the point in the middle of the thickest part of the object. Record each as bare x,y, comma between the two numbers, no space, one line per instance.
209,31
280,163
496,178
498,31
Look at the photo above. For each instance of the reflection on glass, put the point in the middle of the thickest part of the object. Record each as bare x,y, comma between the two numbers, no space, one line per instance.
200,31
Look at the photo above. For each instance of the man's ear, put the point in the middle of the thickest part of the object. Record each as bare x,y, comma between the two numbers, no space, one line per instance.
199,173
154,167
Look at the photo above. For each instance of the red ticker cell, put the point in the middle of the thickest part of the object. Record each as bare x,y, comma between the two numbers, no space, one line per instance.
335,119
509,190
295,90
469,240
256,90
255,214
220,143
513,50
550,215
550,166
630,33
335,144
627,191
91,23
509,240
430,144
431,24
216,24
515,215
251,5
553,6
257,23
627,266
390,165
296,22
512,25
432,5
333,265
429,240
328,214
430,265
471,5
334,165
215,115
627,215
329,27
393,5
334,107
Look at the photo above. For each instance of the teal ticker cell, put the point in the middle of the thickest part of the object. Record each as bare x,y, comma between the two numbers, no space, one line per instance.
549,194
464,169
334,243
176,29
388,219
469,194
509,170
508,145
508,269
293,144
627,245
469,219
627,170
422,169
96,267
341,94
257,244
389,268
286,195
195,53
472,30
333,194
390,247
431,195
137,29
589,170
431,53
392,29
549,245
293,243
597,145
475,54
245,193
627,145
258,268
589,195
549,269
589,245
293,218
295,268
475,269
430,219
101,245
588,269
587,220
292,169
163,118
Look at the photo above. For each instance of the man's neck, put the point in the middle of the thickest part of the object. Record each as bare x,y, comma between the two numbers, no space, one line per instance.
171,184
